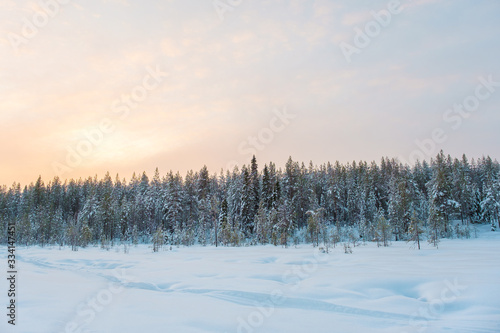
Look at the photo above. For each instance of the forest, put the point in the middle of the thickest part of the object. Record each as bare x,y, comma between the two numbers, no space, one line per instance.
324,204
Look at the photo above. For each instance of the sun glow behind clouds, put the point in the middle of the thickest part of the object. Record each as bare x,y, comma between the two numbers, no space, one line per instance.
225,78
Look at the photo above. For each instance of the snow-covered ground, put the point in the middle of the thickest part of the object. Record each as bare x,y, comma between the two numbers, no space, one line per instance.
259,289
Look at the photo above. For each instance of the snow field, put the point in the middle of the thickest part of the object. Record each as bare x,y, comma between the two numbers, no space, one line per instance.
260,289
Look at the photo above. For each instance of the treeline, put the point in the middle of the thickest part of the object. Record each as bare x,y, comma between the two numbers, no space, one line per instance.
386,201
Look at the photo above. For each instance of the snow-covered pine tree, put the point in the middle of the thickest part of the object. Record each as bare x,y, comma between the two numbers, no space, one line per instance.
285,225
224,230
204,210
262,228
490,196
190,208
415,230
234,203
315,224
173,197
435,226
158,239
214,214
255,188
105,207
267,188
383,230
440,198
463,189
247,217
402,194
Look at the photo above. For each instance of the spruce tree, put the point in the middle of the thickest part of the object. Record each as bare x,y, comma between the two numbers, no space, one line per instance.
440,200
415,231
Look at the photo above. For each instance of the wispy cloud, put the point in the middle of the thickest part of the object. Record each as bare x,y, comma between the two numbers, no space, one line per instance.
225,77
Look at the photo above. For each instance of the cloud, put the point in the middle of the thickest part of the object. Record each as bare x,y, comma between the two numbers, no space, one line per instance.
118,2
225,77
356,18
418,3
171,48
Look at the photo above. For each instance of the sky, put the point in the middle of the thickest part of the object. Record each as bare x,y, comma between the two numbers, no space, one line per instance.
125,85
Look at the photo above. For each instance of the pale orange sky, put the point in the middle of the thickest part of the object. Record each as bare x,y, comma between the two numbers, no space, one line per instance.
121,86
